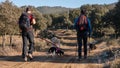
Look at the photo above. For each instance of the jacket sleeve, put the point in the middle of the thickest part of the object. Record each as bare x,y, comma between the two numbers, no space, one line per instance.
75,23
89,26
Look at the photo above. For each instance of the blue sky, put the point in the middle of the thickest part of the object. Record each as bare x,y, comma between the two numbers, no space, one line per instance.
63,3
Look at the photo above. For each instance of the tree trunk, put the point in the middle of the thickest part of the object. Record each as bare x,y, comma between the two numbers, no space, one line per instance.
11,39
3,40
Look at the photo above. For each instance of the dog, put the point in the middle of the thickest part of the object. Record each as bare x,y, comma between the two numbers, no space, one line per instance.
55,51
92,46
59,52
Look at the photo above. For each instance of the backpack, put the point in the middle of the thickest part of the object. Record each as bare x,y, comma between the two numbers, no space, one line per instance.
82,23
24,22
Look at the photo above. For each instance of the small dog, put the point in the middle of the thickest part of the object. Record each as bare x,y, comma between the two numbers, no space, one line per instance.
59,52
55,51
92,46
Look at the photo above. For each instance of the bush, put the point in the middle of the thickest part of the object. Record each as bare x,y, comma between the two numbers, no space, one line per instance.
46,34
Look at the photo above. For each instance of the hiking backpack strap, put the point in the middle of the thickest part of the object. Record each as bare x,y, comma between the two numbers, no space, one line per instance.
82,19
82,23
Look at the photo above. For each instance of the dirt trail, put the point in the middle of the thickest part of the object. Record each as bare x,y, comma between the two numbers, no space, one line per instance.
41,60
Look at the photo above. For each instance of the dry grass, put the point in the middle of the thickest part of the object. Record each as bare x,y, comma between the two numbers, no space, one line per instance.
115,64
40,44
112,42
8,51
68,37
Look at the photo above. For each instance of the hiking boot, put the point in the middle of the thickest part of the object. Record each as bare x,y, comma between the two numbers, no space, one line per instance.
85,57
23,56
79,59
25,59
30,56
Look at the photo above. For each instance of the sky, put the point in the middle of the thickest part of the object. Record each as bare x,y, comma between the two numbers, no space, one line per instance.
63,3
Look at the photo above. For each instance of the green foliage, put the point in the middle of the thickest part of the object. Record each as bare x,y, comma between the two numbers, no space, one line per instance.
9,14
116,17
73,14
60,20
103,17
113,18
48,20
46,34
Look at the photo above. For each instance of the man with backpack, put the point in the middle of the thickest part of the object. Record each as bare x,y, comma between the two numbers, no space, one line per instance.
26,21
83,27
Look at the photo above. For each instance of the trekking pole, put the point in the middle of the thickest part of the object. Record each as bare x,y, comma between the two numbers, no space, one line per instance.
89,43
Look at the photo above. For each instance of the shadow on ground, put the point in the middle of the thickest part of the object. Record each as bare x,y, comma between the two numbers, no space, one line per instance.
57,59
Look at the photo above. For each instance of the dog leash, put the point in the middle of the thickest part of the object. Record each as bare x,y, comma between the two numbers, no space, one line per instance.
50,42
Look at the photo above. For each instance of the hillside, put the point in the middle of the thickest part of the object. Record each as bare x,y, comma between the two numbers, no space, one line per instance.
50,10
59,9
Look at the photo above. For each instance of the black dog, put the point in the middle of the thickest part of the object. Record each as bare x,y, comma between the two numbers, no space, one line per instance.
59,52
55,50
52,50
92,46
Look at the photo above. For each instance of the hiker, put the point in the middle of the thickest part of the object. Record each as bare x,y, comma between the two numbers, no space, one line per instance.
83,27
26,21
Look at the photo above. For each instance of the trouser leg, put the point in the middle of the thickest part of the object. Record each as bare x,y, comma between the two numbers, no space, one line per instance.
85,45
79,40
31,41
24,49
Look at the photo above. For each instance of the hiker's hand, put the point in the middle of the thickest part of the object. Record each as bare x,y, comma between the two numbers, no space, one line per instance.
89,34
33,21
